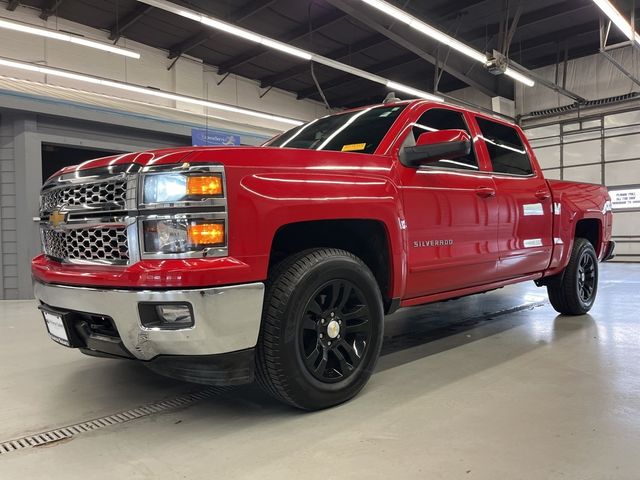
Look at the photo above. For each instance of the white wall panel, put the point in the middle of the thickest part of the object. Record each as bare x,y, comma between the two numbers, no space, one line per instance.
626,223
592,77
548,157
621,119
616,131
544,142
622,148
546,131
552,174
622,173
589,174
578,153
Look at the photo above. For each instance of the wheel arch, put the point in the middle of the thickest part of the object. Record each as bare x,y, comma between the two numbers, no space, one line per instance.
591,230
368,239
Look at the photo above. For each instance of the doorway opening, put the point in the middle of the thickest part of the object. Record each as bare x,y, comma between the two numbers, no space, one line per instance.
55,157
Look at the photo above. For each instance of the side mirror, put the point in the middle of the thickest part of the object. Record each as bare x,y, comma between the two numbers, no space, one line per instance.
433,146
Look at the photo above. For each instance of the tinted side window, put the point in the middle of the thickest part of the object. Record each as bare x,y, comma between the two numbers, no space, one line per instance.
442,119
506,150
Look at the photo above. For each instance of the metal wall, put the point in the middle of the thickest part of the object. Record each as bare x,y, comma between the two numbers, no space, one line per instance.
8,234
601,148
21,138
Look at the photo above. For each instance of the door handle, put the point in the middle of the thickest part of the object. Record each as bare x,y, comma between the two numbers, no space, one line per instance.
543,194
485,192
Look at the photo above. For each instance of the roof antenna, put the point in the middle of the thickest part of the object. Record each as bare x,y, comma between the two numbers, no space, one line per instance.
391,98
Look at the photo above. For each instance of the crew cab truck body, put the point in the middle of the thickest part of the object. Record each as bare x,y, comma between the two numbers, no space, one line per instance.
220,265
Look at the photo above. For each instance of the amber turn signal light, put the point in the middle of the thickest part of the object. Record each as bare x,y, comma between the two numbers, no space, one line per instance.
204,185
202,234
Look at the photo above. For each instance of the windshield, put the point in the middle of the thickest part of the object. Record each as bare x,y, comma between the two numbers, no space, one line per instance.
360,131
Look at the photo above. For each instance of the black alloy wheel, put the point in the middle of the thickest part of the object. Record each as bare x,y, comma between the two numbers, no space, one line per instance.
573,291
586,277
322,329
335,331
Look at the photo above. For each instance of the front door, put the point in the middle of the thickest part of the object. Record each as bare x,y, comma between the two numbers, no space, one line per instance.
451,214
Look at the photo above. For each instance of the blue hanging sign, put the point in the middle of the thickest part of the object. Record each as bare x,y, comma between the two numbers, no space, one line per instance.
201,137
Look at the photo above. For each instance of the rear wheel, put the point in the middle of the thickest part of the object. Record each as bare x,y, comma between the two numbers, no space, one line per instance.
573,292
322,329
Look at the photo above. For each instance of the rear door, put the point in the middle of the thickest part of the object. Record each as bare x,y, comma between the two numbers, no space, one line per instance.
525,208
451,214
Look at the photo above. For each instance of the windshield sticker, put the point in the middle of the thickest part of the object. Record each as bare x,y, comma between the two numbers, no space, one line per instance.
353,147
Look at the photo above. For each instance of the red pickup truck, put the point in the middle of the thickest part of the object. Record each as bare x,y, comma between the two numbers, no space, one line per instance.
217,265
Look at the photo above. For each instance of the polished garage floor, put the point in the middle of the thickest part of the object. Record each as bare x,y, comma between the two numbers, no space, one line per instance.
488,387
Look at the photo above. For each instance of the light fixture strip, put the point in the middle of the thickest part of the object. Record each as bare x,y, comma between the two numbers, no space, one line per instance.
65,37
618,20
56,72
441,37
284,47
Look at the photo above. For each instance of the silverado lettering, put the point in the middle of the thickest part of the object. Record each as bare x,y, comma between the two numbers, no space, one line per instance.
432,243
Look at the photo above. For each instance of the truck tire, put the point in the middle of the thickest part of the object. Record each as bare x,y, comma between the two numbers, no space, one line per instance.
574,290
322,329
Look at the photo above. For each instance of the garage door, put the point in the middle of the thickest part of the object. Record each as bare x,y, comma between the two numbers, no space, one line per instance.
603,149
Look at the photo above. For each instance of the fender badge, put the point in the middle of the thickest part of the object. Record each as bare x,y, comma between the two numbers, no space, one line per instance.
57,217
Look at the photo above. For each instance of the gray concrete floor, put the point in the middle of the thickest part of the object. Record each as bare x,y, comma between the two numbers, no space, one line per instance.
487,387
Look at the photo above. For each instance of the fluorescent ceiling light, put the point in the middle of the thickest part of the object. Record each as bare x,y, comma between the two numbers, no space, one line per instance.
411,91
55,72
441,37
284,47
65,37
618,20
510,72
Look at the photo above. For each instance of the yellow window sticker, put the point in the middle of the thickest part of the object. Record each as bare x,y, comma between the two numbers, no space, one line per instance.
353,147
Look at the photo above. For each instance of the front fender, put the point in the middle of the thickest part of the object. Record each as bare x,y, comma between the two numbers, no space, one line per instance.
264,202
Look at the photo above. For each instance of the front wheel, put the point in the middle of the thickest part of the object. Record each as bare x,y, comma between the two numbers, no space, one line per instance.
573,292
322,329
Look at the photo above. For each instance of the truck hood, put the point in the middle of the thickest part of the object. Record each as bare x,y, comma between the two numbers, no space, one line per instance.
242,157
163,156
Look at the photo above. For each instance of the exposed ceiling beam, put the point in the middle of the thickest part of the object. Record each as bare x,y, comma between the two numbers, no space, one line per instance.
291,36
344,79
248,10
337,54
361,97
587,29
12,5
124,23
448,11
541,15
455,66
190,43
50,9
362,45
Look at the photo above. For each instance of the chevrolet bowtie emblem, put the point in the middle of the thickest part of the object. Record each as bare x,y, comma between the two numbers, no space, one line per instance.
57,217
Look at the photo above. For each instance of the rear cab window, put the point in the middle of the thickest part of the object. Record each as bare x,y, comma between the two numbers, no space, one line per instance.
507,152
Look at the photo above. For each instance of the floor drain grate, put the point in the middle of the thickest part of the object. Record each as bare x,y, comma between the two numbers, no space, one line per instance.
58,434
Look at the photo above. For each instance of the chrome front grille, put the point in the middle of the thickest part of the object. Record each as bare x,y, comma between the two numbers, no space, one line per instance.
101,244
108,195
84,216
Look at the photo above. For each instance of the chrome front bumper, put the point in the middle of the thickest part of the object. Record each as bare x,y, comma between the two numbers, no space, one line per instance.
227,319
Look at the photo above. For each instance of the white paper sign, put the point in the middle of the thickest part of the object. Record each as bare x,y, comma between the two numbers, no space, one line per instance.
622,199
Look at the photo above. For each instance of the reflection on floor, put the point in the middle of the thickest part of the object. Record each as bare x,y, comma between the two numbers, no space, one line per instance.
490,386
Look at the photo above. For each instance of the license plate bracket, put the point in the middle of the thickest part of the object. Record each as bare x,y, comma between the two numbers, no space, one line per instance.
57,325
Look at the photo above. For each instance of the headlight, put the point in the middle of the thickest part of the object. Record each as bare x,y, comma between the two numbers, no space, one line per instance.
178,187
180,235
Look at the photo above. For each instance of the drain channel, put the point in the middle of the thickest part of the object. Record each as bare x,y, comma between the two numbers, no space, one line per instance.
58,434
